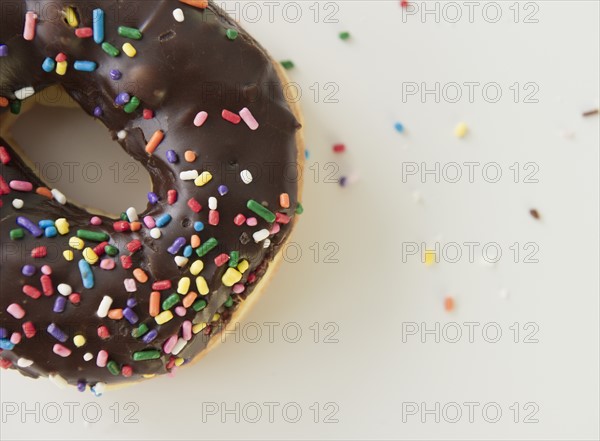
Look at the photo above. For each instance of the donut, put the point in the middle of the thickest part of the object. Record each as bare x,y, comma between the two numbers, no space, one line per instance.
97,301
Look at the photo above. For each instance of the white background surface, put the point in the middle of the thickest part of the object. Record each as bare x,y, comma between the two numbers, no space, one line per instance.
370,294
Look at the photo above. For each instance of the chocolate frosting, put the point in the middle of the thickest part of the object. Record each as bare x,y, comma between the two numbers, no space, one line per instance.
181,68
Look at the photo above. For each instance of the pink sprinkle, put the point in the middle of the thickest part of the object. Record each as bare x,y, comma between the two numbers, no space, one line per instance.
187,330
15,338
30,23
102,358
230,116
16,311
221,259
4,155
130,285
84,32
275,229
96,221
251,222
61,350
107,264
180,311
46,270
21,186
249,118
200,119
239,288
149,222
170,344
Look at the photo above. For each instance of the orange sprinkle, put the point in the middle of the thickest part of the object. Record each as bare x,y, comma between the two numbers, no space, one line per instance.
3,102
135,226
140,275
449,303
190,156
189,299
284,200
195,241
154,303
115,314
43,191
154,141
202,4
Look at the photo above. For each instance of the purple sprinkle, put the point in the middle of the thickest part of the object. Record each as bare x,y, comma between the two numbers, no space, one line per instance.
343,180
3,333
122,99
223,190
59,304
98,112
152,198
131,302
3,50
172,156
29,226
177,244
81,386
57,333
115,74
28,270
130,316
150,336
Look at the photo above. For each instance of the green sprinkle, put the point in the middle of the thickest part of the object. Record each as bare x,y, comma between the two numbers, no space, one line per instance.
92,235
170,301
15,107
229,302
124,217
344,35
110,49
299,208
199,305
150,354
133,33
232,34
234,258
288,64
111,250
206,247
139,331
261,211
113,367
17,233
132,105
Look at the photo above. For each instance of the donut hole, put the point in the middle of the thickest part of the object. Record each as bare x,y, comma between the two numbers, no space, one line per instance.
75,153
186,222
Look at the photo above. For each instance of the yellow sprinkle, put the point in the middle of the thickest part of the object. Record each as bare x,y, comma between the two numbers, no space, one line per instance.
202,285
79,340
216,317
430,257
163,317
71,17
461,130
62,226
149,375
90,256
61,67
179,361
231,277
183,286
197,267
243,266
68,255
76,243
198,327
203,179
129,50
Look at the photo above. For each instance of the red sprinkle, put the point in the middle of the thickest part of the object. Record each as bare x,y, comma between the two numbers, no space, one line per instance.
103,332
239,220
161,285
233,118
194,205
404,3
213,217
4,156
32,292
4,188
148,114
100,249
252,278
121,226
47,286
282,218
221,259
5,364
127,371
172,196
84,32
134,245
39,252
75,298
126,262
29,329
171,363
60,57
339,148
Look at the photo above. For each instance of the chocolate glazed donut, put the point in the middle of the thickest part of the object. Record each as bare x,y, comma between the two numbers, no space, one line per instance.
95,301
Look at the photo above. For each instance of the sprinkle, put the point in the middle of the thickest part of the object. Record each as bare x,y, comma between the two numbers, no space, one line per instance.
121,226
197,328
399,127
110,49
243,266
239,220
79,340
57,333
171,197
173,158
221,259
28,270
249,118
246,176
71,17
198,226
30,24
449,303
213,217
24,93
194,205
85,66
59,304
201,4
6,345
339,148
155,233
260,235
197,267
288,64
47,286
127,32
48,65
186,330
188,175
103,332
126,262
150,336
233,259
207,247
3,50
534,213
64,289
231,277
591,112
68,255
101,358
86,274
148,114
98,25
261,211
430,257
29,226
113,368
178,15
202,285
299,208
155,140
161,285
189,299
170,301
61,68
84,32
88,356
203,179
122,134
39,252
461,130
200,119
179,346
90,256
183,286
132,105
62,226
31,291
130,316
344,35
92,235
46,270
252,222
282,218
130,285
104,306
122,98
4,155
24,362
61,351
59,197
223,190
230,116
163,317
129,50
232,34
177,245
190,156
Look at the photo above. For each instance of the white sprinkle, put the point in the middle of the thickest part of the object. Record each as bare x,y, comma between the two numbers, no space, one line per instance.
249,118
260,235
18,203
130,285
181,261
98,388
58,381
246,176
24,362
200,119
212,203
88,356
104,306
64,289
178,15
122,134
267,243
132,214
59,197
24,93
188,175
178,346
155,233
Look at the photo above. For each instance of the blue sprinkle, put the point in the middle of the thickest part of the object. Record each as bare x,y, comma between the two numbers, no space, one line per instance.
122,99
85,66
48,65
29,226
306,154
3,333
115,74
98,112
172,156
3,50
198,226
131,316
399,127
98,24
57,333
86,274
223,190
45,224
59,304
187,251
150,336
5,344
50,232
163,220
152,198
28,270
176,246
